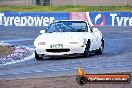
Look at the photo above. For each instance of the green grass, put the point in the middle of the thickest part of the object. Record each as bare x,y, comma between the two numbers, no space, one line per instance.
1,47
63,8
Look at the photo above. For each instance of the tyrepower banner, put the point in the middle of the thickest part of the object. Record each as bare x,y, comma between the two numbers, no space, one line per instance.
45,18
104,18
31,18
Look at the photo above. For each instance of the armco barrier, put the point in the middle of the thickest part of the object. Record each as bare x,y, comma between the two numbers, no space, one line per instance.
45,18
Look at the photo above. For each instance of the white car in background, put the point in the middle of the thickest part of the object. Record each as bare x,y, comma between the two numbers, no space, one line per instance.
68,37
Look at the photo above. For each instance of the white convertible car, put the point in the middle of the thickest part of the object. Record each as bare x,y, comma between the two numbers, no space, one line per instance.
68,37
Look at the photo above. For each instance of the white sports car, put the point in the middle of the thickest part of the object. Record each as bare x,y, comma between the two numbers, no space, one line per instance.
68,37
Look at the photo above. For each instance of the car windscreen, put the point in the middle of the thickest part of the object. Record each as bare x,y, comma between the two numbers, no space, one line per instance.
67,26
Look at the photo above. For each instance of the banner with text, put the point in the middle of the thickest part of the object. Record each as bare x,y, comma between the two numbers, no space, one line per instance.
104,18
31,18
45,18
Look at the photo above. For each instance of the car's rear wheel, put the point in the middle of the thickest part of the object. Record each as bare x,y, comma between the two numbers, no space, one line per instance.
101,48
87,52
38,57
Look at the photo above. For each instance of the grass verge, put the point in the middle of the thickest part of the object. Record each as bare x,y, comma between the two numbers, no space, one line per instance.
5,50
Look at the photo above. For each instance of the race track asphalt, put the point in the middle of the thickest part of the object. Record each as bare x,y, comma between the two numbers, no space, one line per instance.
117,56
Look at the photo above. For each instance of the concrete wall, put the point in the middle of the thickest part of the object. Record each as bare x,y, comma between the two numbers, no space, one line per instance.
61,2
70,2
16,2
92,2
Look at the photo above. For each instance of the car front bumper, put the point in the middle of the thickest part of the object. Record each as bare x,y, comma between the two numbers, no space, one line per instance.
53,52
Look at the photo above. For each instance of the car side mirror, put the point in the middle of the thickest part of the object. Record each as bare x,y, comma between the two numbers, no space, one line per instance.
95,30
42,31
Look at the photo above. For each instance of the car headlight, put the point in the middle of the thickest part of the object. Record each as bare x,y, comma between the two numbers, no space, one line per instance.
42,43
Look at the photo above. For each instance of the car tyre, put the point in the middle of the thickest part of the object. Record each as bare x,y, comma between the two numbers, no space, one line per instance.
38,57
101,48
87,52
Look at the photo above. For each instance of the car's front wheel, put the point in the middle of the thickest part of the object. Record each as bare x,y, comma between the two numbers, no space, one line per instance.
87,52
101,48
38,57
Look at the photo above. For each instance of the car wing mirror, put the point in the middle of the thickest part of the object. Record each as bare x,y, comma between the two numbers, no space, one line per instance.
42,31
